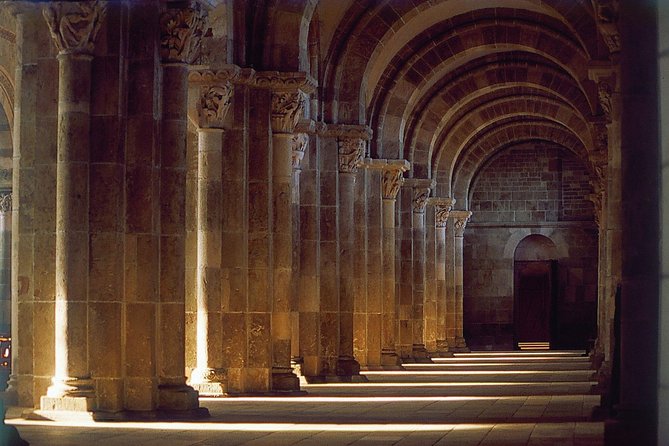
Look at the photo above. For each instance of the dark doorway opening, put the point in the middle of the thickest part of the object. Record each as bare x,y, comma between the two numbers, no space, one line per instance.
534,301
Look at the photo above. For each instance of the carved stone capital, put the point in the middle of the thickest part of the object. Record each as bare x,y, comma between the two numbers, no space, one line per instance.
74,25
181,32
213,105
393,177
421,191
299,143
442,209
287,109
597,199
460,219
5,202
351,153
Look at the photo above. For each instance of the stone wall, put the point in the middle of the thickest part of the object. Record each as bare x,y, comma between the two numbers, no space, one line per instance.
529,189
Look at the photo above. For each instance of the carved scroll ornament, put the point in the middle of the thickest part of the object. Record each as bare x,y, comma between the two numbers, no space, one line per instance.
5,203
420,196
460,219
392,181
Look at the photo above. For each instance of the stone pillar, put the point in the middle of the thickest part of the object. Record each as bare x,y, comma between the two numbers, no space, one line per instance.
391,183
459,219
351,149
73,27
181,32
213,97
289,98
366,349
421,191
442,209
21,381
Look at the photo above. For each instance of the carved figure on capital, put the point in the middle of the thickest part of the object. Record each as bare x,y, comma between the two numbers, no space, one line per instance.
287,108
214,104
607,18
604,92
299,143
74,25
181,32
351,154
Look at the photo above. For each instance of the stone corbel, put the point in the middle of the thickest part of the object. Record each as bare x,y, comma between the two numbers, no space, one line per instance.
421,192
214,94
181,31
442,210
460,219
74,25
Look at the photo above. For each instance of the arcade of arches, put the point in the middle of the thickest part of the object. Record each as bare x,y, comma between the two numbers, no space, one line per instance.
221,196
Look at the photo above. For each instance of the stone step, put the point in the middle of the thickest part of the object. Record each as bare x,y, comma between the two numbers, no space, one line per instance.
501,365
480,376
496,388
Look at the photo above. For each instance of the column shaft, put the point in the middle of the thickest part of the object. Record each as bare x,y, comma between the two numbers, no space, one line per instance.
389,328
430,307
346,365
208,378
418,300
282,247
440,270
72,377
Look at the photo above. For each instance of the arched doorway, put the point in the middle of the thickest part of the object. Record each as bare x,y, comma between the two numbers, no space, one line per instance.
535,292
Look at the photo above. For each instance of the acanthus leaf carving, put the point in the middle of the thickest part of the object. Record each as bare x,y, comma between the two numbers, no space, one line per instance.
287,109
181,32
351,153
74,25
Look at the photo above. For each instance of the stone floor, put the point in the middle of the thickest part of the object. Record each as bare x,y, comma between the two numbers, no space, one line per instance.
472,399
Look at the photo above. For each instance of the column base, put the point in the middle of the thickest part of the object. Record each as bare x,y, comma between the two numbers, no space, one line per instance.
347,366
284,380
68,398
10,396
296,364
177,397
460,346
209,382
419,354
389,358
328,379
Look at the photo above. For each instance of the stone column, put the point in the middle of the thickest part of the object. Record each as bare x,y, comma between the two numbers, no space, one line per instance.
214,95
391,182
421,191
351,152
73,27
299,144
181,32
442,210
460,219
289,98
